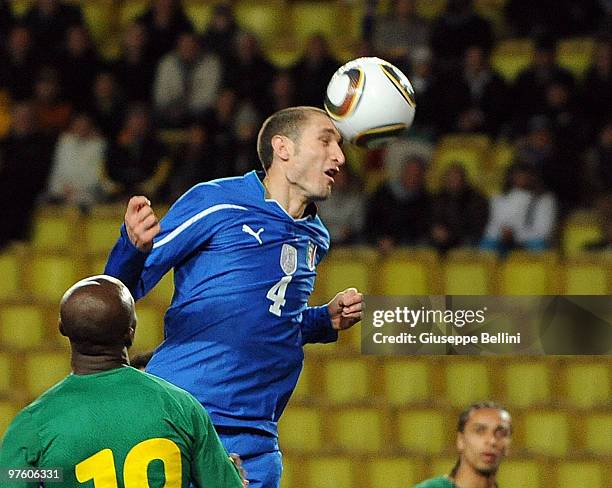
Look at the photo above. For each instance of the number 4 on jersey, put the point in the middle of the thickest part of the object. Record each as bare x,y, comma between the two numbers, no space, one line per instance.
277,295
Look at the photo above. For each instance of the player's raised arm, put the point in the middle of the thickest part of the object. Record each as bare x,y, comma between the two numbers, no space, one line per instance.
141,223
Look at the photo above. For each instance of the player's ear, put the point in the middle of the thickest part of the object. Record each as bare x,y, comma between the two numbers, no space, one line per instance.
60,326
460,442
280,145
129,336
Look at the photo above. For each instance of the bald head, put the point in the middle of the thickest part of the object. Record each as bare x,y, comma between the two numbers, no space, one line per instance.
98,312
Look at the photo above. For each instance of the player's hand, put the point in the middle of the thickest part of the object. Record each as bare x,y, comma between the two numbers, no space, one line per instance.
141,223
238,463
346,309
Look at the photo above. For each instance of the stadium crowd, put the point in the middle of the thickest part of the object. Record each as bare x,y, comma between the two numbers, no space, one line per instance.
81,129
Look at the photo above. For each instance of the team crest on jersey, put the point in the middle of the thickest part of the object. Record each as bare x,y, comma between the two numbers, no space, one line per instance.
311,255
288,259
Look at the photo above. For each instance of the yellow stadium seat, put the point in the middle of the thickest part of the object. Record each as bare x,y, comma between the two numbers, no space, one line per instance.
394,472
199,14
45,369
161,294
11,272
359,430
579,229
311,18
576,54
586,277
331,472
547,433
430,9
265,20
407,381
130,10
98,16
49,276
301,429
581,474
467,382
528,384
528,274
22,326
523,473
306,387
599,434
345,268
8,410
6,371
347,380
101,234
511,56
493,11
55,229
149,328
467,272
470,150
20,7
440,466
423,432
5,121
409,272
281,55
588,385
291,471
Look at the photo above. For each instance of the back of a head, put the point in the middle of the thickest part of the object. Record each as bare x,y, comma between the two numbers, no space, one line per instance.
98,313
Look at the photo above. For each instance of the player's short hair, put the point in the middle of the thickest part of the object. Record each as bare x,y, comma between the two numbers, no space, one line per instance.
287,122
465,415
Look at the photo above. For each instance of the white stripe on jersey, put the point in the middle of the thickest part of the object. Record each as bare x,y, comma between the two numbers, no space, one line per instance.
194,219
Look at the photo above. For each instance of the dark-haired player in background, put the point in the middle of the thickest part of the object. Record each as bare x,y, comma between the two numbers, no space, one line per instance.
110,423
484,434
244,252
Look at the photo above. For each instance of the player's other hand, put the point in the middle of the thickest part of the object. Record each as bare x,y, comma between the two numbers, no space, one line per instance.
238,463
346,309
141,223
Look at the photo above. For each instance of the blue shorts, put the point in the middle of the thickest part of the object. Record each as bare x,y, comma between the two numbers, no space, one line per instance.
260,456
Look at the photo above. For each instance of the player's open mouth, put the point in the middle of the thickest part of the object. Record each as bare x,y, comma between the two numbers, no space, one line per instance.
331,172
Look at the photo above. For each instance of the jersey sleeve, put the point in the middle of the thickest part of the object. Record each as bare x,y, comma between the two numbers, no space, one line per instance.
211,465
185,228
19,450
317,327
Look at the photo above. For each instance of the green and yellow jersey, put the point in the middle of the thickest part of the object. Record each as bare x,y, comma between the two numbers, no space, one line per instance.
440,482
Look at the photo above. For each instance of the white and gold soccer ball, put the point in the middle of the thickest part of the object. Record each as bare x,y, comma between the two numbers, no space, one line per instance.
370,101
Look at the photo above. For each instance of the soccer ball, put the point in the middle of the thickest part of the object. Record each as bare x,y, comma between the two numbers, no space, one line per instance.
370,101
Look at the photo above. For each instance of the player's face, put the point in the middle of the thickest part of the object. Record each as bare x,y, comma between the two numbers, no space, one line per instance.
317,157
485,440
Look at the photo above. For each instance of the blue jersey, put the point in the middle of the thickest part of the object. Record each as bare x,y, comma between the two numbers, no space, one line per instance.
243,272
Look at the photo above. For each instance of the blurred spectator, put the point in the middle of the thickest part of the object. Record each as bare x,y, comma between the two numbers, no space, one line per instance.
459,213
597,86
530,87
568,125
343,212
133,160
248,73
473,98
25,159
77,164
599,161
106,105
424,82
524,216
195,161
164,22
19,62
313,71
399,212
281,93
135,68
561,172
221,32
400,32
233,127
49,21
458,28
186,83
52,112
555,18
604,216
78,63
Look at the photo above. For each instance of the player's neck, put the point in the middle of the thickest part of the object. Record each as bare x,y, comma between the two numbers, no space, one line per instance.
84,363
287,195
469,478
